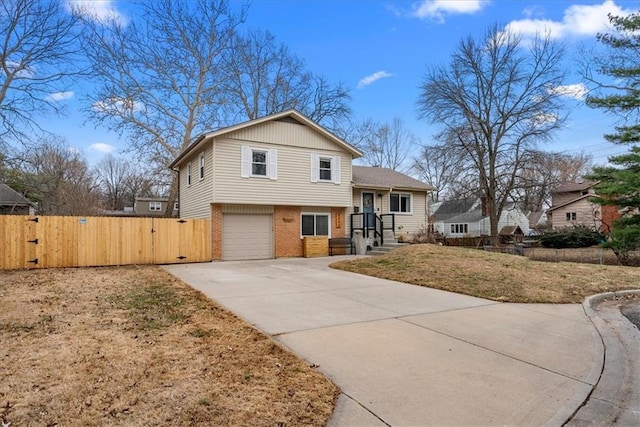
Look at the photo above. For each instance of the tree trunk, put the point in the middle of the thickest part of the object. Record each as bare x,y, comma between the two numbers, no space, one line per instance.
173,195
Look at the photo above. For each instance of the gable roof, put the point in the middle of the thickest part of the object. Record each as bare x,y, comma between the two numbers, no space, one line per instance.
10,197
385,178
289,114
453,208
570,187
577,199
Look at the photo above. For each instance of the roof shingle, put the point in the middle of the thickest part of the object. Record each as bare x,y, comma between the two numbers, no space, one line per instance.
375,177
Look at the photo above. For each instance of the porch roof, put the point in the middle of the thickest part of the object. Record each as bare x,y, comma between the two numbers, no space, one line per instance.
386,179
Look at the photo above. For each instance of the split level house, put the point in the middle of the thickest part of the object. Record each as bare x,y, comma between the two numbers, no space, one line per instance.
572,204
269,183
467,218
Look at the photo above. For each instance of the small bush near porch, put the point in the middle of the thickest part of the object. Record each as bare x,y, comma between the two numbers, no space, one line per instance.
134,346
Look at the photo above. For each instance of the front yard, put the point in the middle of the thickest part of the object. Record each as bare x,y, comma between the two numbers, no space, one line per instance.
495,276
135,346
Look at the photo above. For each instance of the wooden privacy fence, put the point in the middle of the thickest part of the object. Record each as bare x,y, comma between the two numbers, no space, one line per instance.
64,241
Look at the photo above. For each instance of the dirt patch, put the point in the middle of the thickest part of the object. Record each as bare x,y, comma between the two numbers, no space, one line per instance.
495,276
135,346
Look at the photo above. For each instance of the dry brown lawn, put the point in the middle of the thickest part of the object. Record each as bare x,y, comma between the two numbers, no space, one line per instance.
135,346
495,276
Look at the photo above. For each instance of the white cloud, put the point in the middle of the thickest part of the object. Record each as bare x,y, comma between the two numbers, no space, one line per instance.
60,96
542,119
102,147
118,106
366,81
102,11
577,91
578,21
438,9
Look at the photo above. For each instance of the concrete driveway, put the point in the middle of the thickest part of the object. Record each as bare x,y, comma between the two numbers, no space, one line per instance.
407,355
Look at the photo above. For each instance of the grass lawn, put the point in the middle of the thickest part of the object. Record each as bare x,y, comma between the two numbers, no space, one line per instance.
135,346
495,276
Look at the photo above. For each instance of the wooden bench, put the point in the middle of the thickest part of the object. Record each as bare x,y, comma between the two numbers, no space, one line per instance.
341,242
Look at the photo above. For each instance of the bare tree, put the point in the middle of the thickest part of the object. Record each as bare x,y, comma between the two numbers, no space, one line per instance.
496,100
384,144
440,166
59,179
38,52
160,79
543,172
114,174
266,78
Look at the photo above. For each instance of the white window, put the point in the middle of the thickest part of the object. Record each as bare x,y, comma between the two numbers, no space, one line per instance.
259,162
189,174
571,216
315,225
155,206
325,169
400,202
202,166
459,228
175,206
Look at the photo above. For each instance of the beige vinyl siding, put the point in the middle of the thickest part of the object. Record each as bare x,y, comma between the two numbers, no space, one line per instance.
196,199
247,209
285,133
585,214
410,223
561,198
293,186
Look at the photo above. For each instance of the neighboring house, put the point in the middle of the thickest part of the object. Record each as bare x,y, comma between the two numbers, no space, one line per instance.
14,203
152,206
537,221
571,205
466,218
268,183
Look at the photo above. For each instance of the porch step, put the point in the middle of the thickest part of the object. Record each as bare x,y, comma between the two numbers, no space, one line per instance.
386,248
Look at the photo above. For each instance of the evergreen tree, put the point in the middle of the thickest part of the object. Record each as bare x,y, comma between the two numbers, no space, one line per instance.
620,181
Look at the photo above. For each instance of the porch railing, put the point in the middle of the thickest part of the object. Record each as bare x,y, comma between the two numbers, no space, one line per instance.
371,223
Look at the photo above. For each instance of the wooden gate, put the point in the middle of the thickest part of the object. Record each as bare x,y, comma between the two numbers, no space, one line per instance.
54,241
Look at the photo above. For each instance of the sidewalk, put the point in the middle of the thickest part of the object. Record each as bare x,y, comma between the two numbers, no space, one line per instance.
407,355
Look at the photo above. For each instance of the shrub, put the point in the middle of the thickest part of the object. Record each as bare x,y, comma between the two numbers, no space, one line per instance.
578,236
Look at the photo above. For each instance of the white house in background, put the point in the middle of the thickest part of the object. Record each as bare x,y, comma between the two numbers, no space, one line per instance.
465,218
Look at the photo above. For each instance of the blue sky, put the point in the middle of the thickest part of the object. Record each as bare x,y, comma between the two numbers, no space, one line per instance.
381,49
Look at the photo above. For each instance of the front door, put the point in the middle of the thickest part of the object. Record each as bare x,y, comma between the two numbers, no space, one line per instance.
368,209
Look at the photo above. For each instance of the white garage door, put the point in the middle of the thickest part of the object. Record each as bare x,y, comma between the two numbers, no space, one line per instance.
247,236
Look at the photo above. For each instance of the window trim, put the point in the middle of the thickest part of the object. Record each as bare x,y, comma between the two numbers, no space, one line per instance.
400,194
571,216
321,169
335,168
464,227
271,162
189,174
316,214
201,166
266,162
155,205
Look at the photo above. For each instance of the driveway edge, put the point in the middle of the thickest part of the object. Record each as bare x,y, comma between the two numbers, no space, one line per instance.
617,389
